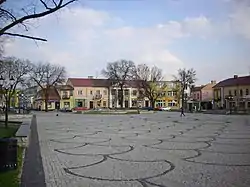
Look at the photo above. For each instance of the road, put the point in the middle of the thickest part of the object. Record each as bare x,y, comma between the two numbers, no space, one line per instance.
148,150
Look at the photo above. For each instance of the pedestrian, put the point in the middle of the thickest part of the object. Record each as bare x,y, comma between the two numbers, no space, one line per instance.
182,112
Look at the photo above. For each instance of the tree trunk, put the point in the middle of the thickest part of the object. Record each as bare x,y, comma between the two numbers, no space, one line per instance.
46,101
183,97
152,103
6,112
121,97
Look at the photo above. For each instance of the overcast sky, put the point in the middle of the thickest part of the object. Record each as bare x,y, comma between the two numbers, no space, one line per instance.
211,36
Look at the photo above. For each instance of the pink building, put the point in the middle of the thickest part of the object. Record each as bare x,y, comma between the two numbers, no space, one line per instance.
201,97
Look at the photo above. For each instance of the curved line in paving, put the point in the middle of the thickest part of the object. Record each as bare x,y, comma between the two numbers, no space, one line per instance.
123,180
154,184
232,138
204,147
75,147
88,154
92,164
131,160
216,164
232,144
107,140
224,152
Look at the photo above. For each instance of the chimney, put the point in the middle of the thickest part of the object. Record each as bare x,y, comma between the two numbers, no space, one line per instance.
90,77
235,76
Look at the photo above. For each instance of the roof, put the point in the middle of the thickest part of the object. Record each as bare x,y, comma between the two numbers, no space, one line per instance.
64,87
197,88
240,81
53,94
86,82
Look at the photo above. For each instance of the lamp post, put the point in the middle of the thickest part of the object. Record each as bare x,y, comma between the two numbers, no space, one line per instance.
6,89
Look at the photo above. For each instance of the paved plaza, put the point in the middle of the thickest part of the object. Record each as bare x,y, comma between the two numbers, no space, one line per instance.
146,150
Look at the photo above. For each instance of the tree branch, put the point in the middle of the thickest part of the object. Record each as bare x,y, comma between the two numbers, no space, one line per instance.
45,5
33,16
25,36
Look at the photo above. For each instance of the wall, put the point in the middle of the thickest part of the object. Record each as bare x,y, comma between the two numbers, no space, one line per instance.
87,94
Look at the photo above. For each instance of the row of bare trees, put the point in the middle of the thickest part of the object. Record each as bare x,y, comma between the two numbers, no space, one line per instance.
18,74
149,80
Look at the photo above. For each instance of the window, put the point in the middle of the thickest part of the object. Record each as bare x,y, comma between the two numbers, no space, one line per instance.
247,92
91,92
126,92
194,96
79,92
174,93
104,104
169,93
71,93
104,92
134,93
198,96
134,103
98,92
241,92
230,92
66,104
235,92
113,92
248,105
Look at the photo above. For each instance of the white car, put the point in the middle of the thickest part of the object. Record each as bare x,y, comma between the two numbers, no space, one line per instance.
166,108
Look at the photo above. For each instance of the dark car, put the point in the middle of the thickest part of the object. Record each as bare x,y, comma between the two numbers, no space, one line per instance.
65,110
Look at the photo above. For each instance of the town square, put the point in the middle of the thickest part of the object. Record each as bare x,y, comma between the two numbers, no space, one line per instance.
124,93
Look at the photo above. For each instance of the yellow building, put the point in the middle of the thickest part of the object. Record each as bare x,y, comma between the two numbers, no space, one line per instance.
233,93
66,93
89,92
170,97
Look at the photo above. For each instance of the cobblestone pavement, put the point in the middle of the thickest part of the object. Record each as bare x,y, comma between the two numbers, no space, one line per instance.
146,150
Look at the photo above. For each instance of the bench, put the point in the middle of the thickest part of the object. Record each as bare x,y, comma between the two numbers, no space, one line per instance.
23,133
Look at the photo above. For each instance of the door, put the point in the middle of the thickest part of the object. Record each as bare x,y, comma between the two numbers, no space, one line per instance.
57,105
91,104
126,104
146,103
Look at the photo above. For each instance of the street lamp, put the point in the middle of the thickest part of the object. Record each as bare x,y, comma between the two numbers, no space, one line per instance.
7,96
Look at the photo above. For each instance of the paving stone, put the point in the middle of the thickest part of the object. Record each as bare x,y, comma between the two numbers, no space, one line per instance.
146,150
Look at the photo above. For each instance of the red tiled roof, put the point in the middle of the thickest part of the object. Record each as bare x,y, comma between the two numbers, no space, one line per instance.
240,81
197,88
53,94
86,82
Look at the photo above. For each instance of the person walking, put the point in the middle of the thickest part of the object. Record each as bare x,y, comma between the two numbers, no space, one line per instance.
182,112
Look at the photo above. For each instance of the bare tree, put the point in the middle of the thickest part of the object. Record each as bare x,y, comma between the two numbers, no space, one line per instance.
120,73
14,73
12,17
186,79
150,82
46,76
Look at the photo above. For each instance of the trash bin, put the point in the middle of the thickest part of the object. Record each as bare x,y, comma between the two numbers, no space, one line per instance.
8,154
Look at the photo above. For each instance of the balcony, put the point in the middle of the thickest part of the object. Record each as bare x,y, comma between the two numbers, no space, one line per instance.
97,97
65,97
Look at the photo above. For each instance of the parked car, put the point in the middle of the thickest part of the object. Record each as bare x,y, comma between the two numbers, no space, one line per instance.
65,109
147,108
165,108
79,109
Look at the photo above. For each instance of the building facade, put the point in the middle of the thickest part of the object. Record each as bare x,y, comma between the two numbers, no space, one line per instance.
53,99
89,92
233,93
201,97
